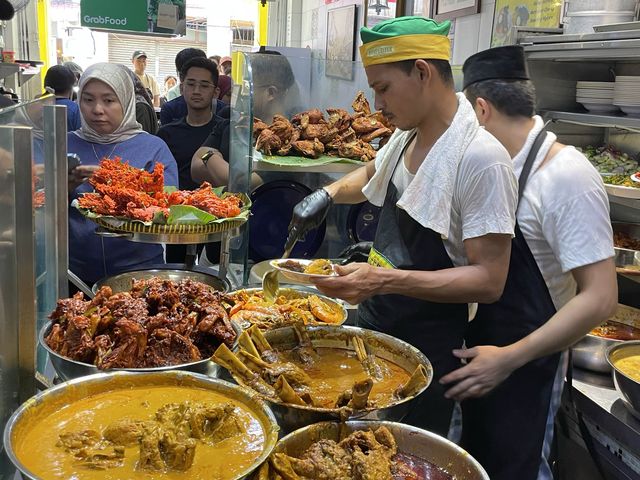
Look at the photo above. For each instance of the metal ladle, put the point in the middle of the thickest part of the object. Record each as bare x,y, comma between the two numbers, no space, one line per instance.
270,283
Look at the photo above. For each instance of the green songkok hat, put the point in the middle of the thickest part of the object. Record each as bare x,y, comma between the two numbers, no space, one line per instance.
405,38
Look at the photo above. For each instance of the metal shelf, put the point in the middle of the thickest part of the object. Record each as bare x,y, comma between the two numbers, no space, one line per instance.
610,46
8,69
259,166
595,120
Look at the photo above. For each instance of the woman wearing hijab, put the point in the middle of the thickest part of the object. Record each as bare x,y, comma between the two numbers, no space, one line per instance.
109,129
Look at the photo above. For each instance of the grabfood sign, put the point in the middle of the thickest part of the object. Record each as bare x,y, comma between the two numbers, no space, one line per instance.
114,14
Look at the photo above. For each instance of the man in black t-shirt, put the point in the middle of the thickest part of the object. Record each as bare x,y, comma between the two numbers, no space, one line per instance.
186,135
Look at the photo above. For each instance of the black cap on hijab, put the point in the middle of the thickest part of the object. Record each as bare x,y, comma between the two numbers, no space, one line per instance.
504,63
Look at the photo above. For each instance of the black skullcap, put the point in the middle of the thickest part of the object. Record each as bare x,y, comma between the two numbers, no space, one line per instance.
500,63
60,78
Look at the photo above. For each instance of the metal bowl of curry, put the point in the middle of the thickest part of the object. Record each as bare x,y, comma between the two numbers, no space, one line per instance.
401,450
591,351
625,364
318,373
141,425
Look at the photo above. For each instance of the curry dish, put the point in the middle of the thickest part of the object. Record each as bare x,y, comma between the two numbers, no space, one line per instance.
363,455
630,366
288,308
139,433
319,377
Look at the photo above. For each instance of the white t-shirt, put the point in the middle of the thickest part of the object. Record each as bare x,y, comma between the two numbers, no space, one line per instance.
564,217
484,198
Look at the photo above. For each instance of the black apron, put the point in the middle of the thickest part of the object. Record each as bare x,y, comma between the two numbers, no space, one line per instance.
433,328
505,429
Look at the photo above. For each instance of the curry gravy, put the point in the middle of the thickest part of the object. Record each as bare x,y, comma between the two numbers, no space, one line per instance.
338,369
35,441
630,366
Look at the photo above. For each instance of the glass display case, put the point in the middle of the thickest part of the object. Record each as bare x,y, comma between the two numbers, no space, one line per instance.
288,84
33,242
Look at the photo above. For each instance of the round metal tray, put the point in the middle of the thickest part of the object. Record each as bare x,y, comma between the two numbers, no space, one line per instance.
170,238
122,281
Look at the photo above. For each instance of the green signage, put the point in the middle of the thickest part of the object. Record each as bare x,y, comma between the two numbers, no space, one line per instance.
148,16
114,14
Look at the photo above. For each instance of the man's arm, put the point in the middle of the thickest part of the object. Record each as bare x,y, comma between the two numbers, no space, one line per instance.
595,302
349,188
482,280
216,170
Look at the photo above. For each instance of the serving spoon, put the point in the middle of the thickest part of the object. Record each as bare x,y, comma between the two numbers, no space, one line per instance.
270,283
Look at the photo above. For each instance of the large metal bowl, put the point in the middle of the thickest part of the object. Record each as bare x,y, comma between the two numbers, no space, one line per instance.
291,417
410,440
61,396
591,351
294,292
628,388
627,261
122,282
68,369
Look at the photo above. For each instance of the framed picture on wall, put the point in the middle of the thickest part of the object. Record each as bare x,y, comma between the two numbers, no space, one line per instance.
522,13
448,9
341,31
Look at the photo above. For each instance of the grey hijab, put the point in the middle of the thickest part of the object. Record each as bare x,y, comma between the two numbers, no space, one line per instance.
117,77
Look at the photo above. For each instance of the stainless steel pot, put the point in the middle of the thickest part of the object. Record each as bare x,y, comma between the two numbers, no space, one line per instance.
291,417
122,281
410,440
627,387
591,352
68,369
68,392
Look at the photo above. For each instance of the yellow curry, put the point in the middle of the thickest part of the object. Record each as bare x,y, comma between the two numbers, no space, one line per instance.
630,366
337,370
42,443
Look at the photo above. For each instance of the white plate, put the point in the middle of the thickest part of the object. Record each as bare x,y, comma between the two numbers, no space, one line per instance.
620,191
305,278
599,108
635,177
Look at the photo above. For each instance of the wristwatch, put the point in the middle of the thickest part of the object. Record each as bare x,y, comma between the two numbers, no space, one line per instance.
205,158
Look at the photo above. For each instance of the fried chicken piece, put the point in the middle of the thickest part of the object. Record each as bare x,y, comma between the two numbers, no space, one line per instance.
357,150
361,104
214,327
364,125
128,351
69,307
166,347
307,117
258,127
308,148
78,344
381,132
379,116
268,142
282,128
286,148
339,118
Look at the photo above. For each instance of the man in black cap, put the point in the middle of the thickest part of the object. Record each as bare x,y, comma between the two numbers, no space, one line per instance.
510,388
139,60
61,80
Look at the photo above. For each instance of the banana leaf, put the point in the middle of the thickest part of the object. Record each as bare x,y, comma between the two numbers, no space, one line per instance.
296,161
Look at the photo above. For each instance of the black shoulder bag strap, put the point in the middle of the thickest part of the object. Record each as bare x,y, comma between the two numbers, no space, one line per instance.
528,163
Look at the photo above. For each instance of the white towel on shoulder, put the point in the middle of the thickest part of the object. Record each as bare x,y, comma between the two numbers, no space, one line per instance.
436,176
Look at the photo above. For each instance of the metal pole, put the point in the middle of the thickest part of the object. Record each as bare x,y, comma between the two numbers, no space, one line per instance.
57,200
25,252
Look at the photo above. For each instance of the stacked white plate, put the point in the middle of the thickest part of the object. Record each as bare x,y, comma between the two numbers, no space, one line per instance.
597,97
627,94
